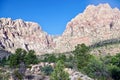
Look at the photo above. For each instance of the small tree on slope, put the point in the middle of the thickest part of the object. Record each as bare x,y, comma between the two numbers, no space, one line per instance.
59,73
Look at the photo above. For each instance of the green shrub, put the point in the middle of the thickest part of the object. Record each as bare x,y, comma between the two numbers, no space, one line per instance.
114,66
114,72
31,58
49,58
59,73
47,70
62,57
23,56
69,65
97,70
81,55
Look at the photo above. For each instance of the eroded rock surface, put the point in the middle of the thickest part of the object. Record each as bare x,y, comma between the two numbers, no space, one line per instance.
95,24
27,35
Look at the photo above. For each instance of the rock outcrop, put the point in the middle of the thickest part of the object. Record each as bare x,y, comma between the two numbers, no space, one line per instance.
95,24
27,35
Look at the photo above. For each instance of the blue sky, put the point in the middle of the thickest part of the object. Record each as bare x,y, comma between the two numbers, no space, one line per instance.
52,15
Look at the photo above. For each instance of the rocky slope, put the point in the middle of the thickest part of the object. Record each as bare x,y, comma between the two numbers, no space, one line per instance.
20,34
95,24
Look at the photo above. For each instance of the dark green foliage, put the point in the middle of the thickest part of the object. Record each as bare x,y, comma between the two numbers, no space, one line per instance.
59,73
20,60
18,57
30,58
49,58
54,58
92,66
13,61
22,56
108,68
69,65
70,58
81,55
61,57
47,70
4,62
96,69
114,66
114,72
115,60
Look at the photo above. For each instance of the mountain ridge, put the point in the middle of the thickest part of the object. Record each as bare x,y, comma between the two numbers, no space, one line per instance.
95,24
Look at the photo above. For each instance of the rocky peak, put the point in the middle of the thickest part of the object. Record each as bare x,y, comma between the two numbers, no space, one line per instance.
95,24
94,15
101,10
20,34
98,7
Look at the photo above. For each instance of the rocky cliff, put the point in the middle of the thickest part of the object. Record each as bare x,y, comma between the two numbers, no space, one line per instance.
95,24
19,34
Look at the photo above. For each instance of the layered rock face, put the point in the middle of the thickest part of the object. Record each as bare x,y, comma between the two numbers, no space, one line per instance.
95,24
27,35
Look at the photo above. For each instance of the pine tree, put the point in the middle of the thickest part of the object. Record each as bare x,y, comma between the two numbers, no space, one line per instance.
81,55
59,73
